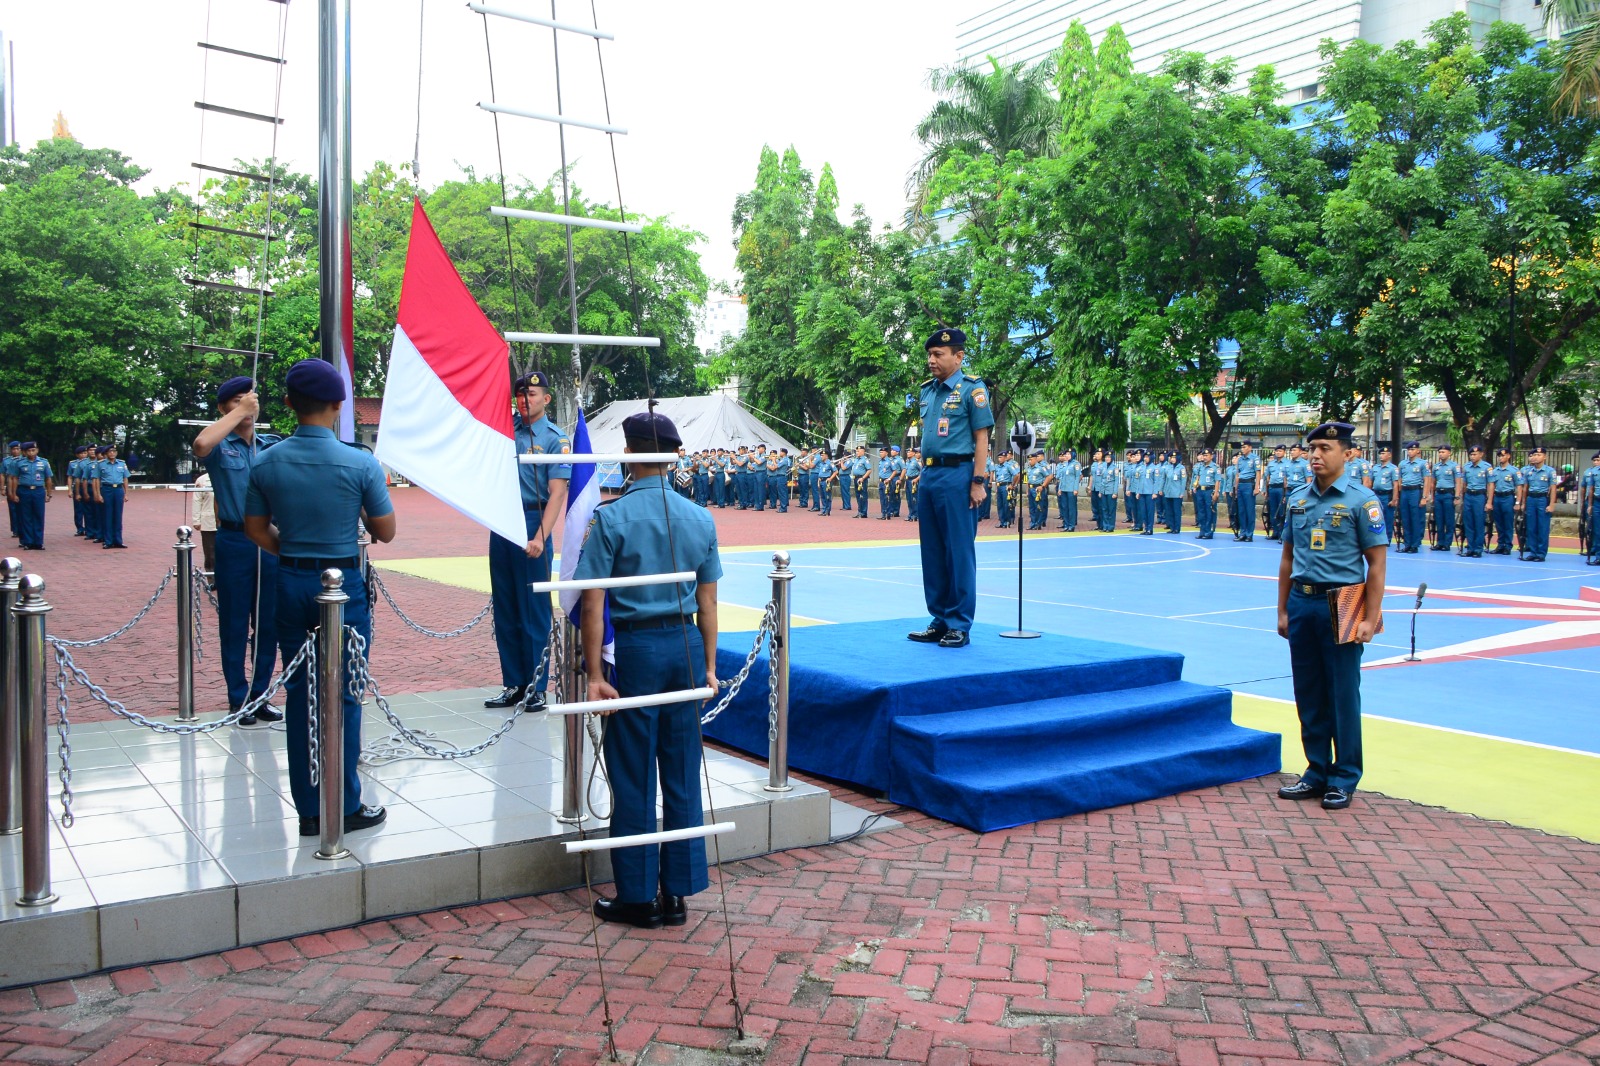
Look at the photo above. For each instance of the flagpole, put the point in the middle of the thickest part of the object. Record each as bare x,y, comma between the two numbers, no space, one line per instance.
334,196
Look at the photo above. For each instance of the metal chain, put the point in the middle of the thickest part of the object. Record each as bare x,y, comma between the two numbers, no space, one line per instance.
196,610
313,709
769,624
211,593
171,573
64,751
435,634
422,740
774,650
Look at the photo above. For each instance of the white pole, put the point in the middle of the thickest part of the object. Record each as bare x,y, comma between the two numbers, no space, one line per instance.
623,703
575,584
666,836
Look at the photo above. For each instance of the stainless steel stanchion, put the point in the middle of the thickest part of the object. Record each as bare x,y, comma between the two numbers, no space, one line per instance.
185,576
10,713
572,689
778,663
330,713
31,681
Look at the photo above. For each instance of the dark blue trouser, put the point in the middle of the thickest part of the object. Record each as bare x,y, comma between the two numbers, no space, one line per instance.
79,514
804,481
1444,517
1386,501
298,615
1538,525
888,502
1327,693
1004,502
824,493
947,530
1205,511
1067,508
1412,519
12,511
1246,495
521,616
1594,526
758,490
31,515
238,563
1505,521
861,496
1473,520
1275,510
1173,506
111,515
844,490
1145,512
912,489
645,745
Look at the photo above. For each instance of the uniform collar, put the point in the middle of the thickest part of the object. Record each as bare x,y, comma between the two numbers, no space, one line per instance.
313,431
952,381
659,480
1340,484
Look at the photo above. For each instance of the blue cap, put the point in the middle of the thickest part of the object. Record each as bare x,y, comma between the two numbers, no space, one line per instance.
16,444
1339,431
233,387
530,379
946,338
651,428
895,448
79,449
1413,444
1445,448
29,444
1539,448
315,379
1475,448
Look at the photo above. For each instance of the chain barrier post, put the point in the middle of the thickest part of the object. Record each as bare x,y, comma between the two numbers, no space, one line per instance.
10,707
778,663
185,549
29,613
571,651
330,713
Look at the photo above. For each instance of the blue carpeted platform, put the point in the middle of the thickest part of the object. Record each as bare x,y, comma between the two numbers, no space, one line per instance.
997,734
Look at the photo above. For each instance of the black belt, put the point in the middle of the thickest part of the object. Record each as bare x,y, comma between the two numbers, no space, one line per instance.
1538,495
1311,588
1444,492
232,527
533,507
30,488
350,562
668,621
1477,492
945,460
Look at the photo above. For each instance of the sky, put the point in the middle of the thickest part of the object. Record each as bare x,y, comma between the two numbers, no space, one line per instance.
700,85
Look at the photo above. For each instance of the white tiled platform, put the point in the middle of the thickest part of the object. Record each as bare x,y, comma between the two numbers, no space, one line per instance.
188,845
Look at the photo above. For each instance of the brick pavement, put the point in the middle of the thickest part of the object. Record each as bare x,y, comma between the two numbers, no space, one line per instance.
1217,927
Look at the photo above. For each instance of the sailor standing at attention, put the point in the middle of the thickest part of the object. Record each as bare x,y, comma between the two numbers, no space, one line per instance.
666,641
246,577
955,445
308,496
1333,538
1384,482
1474,499
522,616
1247,483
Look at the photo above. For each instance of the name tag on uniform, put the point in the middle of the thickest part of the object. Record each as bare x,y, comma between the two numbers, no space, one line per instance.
1319,539
944,427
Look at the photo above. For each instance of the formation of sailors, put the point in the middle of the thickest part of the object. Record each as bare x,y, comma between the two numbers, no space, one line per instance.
96,481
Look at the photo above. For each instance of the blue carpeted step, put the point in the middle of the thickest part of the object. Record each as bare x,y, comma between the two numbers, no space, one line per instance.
999,767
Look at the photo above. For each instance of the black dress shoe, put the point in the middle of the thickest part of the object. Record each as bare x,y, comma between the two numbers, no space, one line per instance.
638,915
365,817
311,827
674,910
1335,799
932,635
510,696
954,638
535,704
1302,789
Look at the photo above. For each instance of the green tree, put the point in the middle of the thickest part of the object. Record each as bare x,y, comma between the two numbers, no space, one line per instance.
1575,26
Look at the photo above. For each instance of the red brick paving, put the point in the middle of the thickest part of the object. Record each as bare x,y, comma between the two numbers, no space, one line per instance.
1221,926
1216,927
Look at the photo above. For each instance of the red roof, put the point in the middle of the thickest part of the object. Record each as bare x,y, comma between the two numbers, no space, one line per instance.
368,410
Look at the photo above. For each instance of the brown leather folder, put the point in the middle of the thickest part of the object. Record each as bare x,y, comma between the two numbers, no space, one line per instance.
1348,608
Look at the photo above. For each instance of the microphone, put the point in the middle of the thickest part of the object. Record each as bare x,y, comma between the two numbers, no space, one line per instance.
1422,590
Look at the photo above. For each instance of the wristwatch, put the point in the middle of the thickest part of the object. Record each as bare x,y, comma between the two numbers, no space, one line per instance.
980,481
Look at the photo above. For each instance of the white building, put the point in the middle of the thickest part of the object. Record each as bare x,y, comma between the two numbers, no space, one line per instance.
1284,33
724,317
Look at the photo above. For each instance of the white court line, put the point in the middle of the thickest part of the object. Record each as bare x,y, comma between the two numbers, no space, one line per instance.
1234,610
1505,584
1444,729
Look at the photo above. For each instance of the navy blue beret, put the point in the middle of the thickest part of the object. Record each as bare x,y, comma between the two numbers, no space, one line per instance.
29,444
233,387
315,379
1413,444
16,444
1475,448
649,427
1277,447
79,449
531,378
953,338
1339,431
1539,448
103,449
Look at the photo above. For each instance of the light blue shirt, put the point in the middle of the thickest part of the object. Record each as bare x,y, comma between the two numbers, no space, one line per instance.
1505,479
1444,474
1069,476
1174,485
1298,472
626,538
32,473
113,473
1383,476
229,466
1541,480
314,489
1206,474
953,411
1475,476
1249,467
540,437
1277,472
1412,471
1349,520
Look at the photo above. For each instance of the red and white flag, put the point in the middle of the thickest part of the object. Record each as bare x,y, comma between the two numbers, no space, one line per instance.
446,422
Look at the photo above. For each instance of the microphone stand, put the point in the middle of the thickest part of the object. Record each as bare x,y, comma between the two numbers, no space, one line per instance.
1422,590
1022,439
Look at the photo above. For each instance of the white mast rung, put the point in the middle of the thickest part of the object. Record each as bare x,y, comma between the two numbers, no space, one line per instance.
563,458
666,836
577,584
583,338
568,220
660,699
587,31
562,120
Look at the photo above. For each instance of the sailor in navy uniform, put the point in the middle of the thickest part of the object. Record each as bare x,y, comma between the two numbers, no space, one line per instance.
110,491
1413,472
522,616
1474,499
35,483
1536,498
1334,537
1504,480
956,421
1440,490
666,640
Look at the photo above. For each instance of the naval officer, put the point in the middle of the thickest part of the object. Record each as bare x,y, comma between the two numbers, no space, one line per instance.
1334,537
955,445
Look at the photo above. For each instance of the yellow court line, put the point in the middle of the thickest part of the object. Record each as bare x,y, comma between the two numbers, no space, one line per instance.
1551,789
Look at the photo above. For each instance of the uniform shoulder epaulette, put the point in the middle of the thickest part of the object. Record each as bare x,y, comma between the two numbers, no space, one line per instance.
925,384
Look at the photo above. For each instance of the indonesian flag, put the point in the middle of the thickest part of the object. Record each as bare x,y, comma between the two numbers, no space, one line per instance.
446,422
583,496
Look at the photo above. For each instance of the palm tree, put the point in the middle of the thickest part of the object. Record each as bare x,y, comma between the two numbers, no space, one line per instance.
1574,28
993,112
